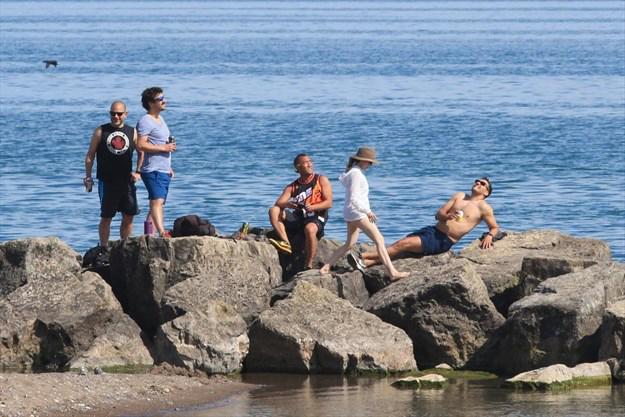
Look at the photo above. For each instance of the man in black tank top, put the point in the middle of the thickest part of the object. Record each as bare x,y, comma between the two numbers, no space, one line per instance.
112,146
302,208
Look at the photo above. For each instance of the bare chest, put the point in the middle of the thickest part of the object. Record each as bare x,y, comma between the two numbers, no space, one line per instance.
467,211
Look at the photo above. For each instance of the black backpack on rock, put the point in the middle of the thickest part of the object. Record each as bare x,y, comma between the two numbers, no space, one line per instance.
193,225
96,257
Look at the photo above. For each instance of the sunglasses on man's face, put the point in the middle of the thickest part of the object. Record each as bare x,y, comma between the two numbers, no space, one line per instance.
117,113
161,98
482,183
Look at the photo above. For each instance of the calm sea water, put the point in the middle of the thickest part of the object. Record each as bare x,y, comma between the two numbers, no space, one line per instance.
529,93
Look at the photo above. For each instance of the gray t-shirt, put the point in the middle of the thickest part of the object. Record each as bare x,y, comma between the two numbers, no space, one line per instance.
157,135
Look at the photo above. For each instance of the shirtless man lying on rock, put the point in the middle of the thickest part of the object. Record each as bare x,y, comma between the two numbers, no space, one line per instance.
457,217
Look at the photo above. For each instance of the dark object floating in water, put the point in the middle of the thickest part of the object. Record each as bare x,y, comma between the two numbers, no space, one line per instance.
50,63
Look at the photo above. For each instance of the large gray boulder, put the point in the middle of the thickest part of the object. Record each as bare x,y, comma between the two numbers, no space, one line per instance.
613,332
325,249
348,285
294,263
376,277
213,339
325,281
24,260
444,309
508,278
313,331
59,317
146,273
560,323
119,343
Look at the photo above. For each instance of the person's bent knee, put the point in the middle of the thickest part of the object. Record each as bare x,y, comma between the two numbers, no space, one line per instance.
274,211
311,229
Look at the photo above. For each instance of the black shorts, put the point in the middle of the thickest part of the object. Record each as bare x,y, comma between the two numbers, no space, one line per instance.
116,197
295,223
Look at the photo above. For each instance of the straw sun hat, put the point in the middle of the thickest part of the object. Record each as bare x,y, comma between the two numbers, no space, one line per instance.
365,154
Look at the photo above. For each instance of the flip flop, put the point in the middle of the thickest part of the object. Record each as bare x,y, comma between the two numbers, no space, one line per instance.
355,262
281,245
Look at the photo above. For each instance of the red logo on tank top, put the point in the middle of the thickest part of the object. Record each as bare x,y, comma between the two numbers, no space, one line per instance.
117,143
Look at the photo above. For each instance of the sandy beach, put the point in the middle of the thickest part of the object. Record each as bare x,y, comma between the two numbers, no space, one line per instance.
107,395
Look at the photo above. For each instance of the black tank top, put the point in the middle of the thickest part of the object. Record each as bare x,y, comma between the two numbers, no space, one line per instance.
114,153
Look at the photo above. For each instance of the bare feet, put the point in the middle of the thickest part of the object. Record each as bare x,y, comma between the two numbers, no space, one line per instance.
399,275
325,269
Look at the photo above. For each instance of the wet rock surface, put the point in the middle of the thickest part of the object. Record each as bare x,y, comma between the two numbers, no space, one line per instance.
429,381
561,376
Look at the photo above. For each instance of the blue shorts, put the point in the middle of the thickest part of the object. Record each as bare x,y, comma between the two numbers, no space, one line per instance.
433,241
157,184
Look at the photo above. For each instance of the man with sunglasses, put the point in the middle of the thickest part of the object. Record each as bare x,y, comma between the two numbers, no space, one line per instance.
154,141
112,146
457,217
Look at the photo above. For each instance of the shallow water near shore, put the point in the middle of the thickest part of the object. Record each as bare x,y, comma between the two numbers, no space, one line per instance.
324,395
530,93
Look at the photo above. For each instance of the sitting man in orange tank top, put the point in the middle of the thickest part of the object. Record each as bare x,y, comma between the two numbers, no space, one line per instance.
302,206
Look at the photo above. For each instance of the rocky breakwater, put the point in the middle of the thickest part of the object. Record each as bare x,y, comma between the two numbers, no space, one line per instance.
219,305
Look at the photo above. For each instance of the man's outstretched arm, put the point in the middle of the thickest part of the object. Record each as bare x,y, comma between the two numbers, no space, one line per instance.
489,218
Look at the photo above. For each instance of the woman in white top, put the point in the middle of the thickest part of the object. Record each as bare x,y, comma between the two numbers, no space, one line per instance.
358,214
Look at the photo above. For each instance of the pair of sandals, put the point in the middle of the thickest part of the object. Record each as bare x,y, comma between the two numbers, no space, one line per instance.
281,245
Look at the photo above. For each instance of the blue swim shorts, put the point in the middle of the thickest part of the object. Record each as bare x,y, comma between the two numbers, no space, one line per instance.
157,184
433,241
